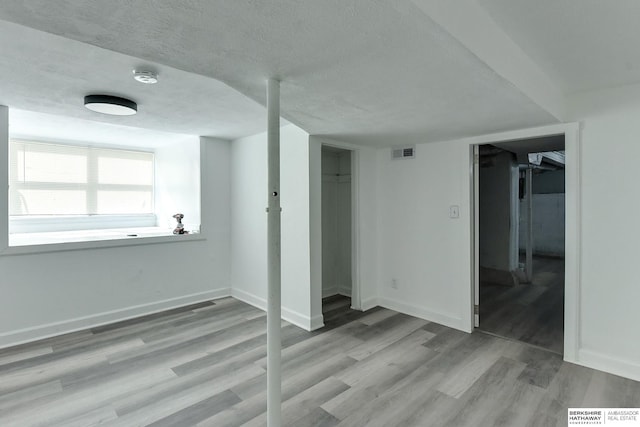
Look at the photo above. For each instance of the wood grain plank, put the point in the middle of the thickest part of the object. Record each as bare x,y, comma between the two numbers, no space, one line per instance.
206,366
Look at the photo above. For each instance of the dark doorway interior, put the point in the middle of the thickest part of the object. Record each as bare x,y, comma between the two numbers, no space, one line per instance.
532,313
521,246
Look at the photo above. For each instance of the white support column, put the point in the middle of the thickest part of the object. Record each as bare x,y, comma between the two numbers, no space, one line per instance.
529,261
274,391
4,177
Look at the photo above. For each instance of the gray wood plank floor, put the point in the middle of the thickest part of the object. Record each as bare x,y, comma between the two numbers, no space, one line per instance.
532,313
204,365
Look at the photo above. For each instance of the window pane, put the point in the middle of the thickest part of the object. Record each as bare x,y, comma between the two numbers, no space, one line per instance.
55,167
119,202
45,202
57,179
114,170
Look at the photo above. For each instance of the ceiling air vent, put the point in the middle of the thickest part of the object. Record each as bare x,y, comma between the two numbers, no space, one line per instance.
403,153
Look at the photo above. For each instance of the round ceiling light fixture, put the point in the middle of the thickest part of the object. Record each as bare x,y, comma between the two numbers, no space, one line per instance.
113,105
146,76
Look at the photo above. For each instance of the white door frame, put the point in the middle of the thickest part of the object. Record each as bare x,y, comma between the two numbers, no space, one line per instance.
475,230
356,299
571,132
356,295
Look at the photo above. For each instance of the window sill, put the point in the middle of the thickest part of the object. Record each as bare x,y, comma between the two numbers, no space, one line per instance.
92,239
79,223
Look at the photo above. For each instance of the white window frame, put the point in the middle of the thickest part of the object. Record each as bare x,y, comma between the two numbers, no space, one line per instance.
26,230
80,240
91,186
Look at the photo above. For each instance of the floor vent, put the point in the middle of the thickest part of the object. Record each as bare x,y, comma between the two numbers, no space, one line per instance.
403,153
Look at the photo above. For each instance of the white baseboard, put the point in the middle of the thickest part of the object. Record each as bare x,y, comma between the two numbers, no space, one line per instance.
250,299
422,313
317,322
291,316
612,365
22,336
297,319
369,303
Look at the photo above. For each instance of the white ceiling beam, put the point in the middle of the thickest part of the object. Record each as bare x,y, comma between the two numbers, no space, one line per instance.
472,26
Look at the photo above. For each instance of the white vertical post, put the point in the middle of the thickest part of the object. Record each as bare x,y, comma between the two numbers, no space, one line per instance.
273,256
529,261
4,177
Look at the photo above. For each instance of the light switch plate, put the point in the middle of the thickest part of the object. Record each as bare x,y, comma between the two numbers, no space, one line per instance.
454,211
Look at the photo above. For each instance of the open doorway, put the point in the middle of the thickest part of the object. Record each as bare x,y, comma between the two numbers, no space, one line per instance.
521,240
336,230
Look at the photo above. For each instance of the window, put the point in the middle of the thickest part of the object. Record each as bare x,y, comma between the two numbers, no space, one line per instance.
55,187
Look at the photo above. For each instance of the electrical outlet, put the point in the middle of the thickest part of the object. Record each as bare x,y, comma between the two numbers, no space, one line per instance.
394,283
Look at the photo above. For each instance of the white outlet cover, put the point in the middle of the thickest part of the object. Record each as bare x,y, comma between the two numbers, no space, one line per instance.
454,211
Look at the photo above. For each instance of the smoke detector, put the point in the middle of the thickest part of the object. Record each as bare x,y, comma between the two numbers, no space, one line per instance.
146,76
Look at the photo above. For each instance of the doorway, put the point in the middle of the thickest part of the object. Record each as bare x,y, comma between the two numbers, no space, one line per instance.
520,283
337,281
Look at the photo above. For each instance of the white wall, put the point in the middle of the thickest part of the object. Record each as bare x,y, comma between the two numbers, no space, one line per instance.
4,176
421,248
499,213
177,183
366,227
609,290
344,230
249,224
429,254
49,293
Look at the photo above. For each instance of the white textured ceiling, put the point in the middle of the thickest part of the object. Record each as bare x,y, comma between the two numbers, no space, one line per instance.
29,125
45,73
582,44
375,72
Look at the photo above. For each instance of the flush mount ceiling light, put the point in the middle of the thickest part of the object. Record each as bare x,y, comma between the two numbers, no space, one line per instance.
145,76
113,105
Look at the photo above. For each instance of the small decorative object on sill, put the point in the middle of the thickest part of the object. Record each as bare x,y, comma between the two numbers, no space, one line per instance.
179,226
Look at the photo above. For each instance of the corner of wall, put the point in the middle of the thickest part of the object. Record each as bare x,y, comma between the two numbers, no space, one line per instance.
422,313
300,320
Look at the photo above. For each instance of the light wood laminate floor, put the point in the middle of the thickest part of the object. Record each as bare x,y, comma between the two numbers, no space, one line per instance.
533,312
204,365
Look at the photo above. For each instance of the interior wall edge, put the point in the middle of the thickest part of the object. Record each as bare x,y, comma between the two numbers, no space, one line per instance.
329,292
298,319
39,332
317,322
345,292
369,303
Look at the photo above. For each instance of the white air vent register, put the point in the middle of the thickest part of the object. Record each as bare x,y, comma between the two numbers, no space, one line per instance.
403,153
